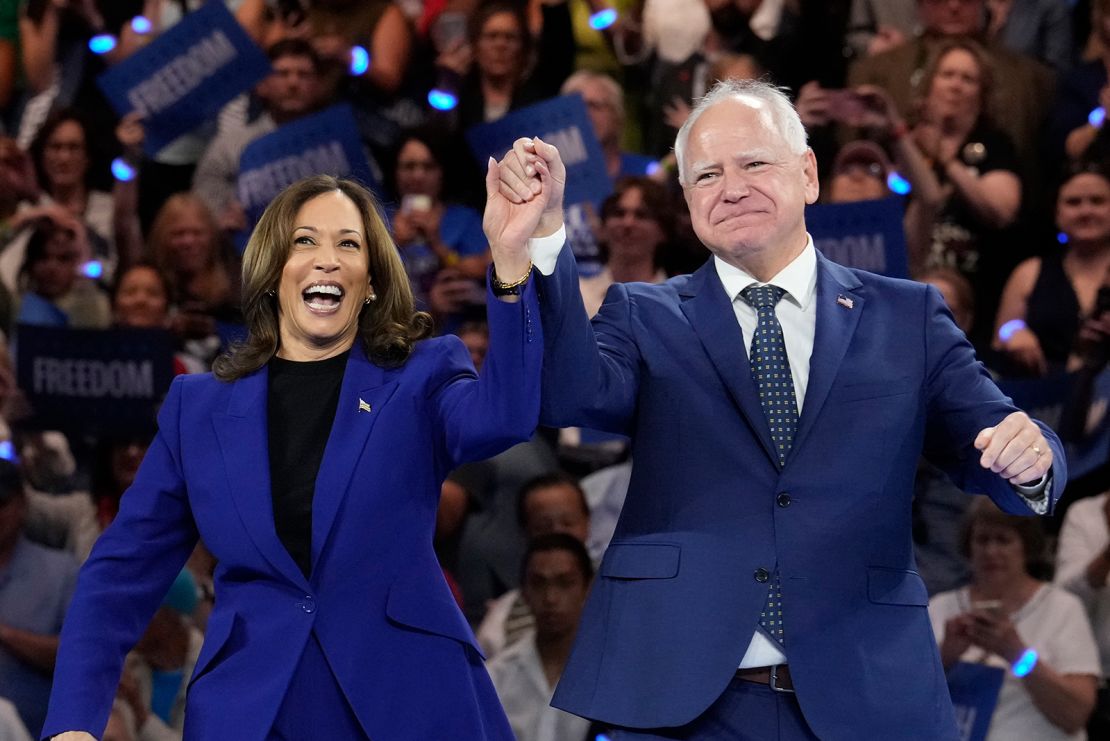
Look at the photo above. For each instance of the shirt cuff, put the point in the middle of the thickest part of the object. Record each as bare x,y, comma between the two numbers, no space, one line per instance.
544,251
1034,494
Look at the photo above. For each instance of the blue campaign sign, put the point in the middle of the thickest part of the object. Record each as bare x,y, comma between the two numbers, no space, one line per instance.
94,380
560,121
186,75
974,689
325,143
867,235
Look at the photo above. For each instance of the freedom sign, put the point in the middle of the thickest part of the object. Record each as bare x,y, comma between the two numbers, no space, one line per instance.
186,75
867,234
100,380
325,143
561,121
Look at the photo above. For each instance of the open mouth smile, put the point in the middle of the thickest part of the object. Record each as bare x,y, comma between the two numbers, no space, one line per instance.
323,297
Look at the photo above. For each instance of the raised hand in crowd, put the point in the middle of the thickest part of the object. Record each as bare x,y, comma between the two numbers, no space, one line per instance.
451,292
130,133
885,39
676,112
17,173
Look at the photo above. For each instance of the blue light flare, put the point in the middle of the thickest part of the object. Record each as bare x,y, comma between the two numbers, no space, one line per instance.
442,100
1062,238
602,19
1096,117
122,171
92,269
1010,328
141,25
102,43
898,184
360,60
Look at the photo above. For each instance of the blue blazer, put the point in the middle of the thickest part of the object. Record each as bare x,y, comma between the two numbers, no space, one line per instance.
678,594
376,599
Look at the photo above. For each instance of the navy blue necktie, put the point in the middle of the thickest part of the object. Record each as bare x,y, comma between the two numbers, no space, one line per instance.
771,371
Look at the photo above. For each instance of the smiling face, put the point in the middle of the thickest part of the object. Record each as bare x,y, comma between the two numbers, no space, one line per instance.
141,298
1083,209
631,230
325,280
746,190
418,172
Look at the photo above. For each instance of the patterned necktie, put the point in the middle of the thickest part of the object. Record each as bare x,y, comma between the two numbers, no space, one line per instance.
771,371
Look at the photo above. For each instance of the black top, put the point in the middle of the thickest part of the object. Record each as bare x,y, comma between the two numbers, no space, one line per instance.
1052,310
301,403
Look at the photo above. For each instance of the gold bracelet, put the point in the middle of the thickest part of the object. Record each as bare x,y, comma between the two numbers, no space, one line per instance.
499,284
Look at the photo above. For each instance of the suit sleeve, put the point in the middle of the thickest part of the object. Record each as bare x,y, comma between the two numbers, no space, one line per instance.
591,372
961,399
481,415
125,578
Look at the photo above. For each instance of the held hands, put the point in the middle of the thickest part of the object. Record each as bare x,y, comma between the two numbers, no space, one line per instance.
1015,449
524,199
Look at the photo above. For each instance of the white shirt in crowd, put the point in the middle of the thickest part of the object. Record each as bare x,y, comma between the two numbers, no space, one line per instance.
1053,623
1083,536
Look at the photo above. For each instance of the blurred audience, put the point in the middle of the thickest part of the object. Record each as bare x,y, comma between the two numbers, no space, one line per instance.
1006,612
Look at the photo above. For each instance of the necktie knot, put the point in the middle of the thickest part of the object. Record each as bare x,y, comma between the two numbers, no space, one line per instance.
762,297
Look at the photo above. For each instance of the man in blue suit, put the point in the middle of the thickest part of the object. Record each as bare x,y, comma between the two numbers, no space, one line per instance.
761,581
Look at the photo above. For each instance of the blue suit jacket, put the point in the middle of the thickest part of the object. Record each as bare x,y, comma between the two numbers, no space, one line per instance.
677,599
376,599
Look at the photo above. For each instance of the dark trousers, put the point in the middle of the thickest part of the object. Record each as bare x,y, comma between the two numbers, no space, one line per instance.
315,706
744,712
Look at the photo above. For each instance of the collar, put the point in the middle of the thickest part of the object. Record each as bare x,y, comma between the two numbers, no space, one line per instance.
798,279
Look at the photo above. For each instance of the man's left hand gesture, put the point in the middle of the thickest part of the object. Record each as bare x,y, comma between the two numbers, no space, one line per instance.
1015,449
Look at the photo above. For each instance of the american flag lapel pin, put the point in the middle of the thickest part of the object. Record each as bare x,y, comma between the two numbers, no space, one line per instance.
363,406
844,301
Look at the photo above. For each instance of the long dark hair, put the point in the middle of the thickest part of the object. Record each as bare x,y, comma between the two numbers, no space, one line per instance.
389,327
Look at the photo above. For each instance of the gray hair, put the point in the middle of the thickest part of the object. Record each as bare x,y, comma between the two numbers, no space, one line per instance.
770,100
578,81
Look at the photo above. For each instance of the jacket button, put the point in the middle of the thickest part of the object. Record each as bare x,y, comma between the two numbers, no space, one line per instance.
783,500
308,604
761,575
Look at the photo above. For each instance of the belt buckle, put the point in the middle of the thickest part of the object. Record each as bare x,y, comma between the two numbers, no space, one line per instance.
774,683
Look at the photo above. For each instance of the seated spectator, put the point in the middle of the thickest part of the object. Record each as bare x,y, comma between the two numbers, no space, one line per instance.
1024,92
142,300
605,105
431,232
157,670
548,504
36,584
637,225
1006,611
503,76
1082,567
974,169
1085,88
54,293
556,576
290,91
186,245
1048,299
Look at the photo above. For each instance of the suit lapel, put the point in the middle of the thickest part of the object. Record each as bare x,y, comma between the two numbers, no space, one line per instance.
836,323
709,310
244,443
361,396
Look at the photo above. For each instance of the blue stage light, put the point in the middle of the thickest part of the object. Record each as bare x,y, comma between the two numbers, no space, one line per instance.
602,19
141,25
92,269
122,171
1096,117
442,100
102,43
360,60
898,184
652,168
1009,329
7,451
1062,238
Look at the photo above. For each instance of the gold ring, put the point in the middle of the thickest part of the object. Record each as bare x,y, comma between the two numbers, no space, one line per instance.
1036,449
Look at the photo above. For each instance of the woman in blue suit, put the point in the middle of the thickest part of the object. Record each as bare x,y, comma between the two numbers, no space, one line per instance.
310,464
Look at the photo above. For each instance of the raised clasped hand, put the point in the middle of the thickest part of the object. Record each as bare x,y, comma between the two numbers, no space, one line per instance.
524,195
